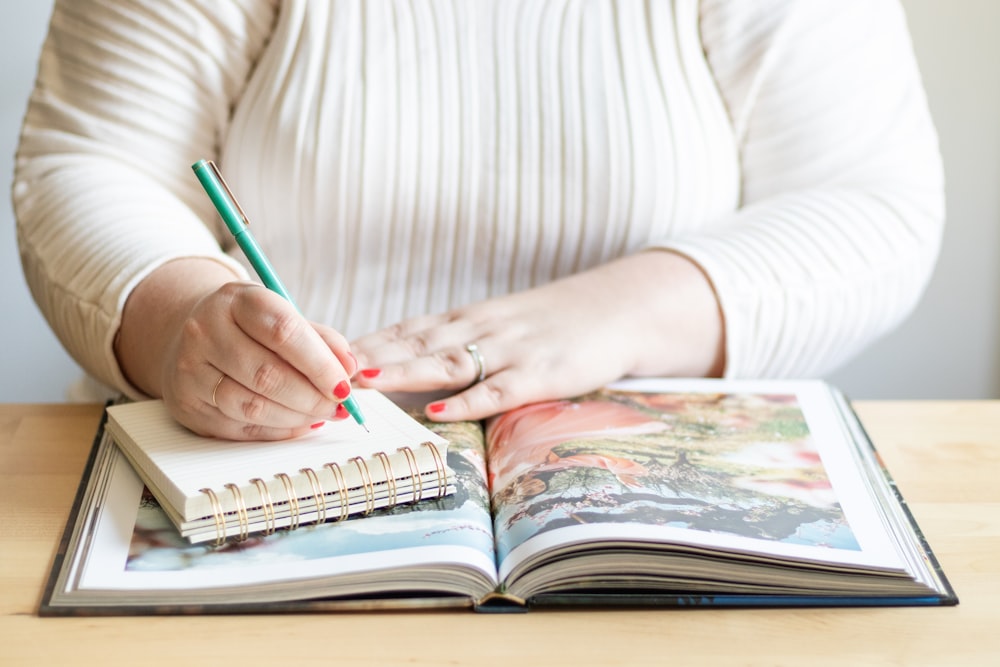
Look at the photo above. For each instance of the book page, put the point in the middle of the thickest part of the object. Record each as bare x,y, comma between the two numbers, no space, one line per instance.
759,468
132,554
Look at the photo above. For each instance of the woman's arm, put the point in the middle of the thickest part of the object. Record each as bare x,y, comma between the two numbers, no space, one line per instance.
128,96
832,245
120,245
843,196
652,313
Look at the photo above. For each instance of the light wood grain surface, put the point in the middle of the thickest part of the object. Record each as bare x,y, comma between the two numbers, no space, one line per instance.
945,457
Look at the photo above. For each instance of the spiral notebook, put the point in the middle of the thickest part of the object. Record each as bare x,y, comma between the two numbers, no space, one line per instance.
216,490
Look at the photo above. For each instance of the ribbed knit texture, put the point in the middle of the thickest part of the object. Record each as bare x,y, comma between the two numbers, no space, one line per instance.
400,158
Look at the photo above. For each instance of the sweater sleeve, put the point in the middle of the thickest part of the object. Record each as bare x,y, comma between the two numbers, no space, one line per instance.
842,199
128,95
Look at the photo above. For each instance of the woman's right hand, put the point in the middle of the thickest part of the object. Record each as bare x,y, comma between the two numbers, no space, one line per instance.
231,359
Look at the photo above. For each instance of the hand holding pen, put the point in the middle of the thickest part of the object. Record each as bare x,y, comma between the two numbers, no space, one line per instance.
253,333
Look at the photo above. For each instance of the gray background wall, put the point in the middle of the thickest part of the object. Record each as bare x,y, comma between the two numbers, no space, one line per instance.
947,349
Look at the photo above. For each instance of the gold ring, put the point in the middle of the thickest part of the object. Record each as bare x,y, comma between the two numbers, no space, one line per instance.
221,378
480,362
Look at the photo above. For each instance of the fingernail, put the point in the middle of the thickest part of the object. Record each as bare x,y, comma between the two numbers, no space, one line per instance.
317,425
371,372
341,412
342,390
436,407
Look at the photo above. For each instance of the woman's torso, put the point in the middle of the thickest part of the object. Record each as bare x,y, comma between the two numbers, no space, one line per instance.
404,158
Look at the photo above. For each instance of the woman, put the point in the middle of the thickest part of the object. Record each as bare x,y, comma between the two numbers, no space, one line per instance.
501,202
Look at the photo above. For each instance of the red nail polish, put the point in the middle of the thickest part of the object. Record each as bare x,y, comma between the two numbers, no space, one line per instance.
436,407
342,390
317,425
371,372
341,412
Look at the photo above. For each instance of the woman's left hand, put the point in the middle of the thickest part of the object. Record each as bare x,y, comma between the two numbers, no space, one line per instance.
653,313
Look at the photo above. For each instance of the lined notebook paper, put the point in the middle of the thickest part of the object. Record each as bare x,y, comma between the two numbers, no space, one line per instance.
217,489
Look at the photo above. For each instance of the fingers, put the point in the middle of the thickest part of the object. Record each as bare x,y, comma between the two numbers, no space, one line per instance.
247,365
451,368
240,404
418,337
484,399
497,355
245,414
291,364
337,344
488,376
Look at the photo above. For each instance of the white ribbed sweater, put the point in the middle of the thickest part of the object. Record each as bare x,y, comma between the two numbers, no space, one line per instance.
399,158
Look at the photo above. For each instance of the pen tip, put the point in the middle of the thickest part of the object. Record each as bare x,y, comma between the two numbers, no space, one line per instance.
365,427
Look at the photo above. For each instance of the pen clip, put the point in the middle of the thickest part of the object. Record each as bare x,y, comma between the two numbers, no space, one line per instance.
225,186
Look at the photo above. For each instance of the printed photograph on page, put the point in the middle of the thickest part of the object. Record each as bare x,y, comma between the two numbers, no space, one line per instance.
738,464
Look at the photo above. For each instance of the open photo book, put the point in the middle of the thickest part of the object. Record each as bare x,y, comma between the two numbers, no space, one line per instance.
649,492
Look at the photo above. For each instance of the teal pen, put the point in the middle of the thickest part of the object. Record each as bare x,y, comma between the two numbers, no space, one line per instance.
237,222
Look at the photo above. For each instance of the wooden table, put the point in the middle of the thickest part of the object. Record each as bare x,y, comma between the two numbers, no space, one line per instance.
945,456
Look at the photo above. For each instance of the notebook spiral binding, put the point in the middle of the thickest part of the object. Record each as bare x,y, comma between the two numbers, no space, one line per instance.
320,496
418,483
368,487
293,501
338,475
390,480
241,512
265,497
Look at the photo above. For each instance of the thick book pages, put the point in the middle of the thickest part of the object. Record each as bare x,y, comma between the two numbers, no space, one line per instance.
657,492
215,489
